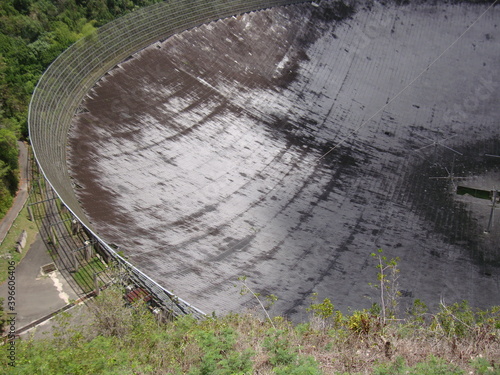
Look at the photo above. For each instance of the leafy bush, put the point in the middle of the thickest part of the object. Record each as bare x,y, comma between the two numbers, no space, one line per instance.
484,367
361,322
279,349
302,366
432,366
220,356
9,173
284,358
455,320
326,312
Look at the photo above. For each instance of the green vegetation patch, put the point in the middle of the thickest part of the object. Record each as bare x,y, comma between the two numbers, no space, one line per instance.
9,170
32,34
85,275
124,338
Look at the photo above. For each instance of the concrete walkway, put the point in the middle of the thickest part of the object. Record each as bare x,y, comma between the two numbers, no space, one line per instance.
22,193
37,295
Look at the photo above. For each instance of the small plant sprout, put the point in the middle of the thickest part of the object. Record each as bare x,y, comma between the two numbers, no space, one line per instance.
325,311
271,298
387,276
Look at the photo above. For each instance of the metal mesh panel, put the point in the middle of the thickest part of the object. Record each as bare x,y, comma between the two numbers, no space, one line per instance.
65,83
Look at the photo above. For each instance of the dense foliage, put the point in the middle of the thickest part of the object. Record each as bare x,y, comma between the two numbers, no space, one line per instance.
111,335
32,34
107,337
9,174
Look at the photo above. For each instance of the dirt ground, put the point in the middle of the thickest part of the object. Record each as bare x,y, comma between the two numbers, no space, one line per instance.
286,145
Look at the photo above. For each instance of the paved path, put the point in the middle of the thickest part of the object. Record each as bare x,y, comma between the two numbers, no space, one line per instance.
22,193
37,295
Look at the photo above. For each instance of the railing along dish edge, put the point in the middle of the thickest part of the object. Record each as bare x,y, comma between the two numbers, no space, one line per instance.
68,79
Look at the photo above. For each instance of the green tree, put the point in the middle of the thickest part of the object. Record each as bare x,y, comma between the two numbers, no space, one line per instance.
5,195
32,34
22,6
8,169
8,148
